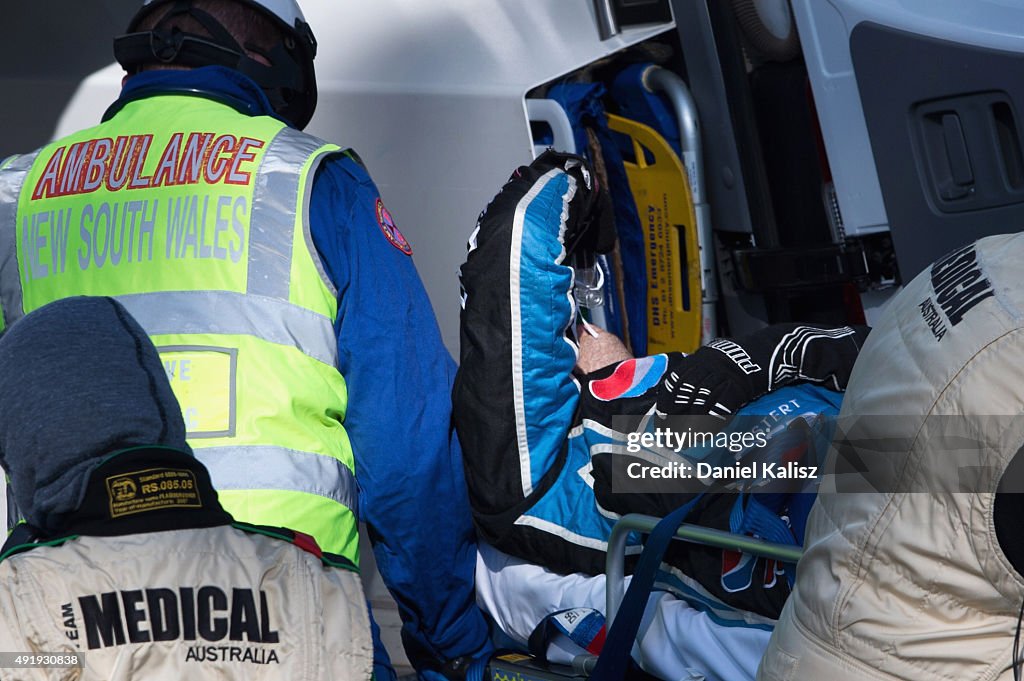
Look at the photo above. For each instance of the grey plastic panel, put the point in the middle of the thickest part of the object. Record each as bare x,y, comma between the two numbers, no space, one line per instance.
736,186
945,133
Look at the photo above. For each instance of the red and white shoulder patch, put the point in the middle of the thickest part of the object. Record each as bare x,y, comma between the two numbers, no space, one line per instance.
390,229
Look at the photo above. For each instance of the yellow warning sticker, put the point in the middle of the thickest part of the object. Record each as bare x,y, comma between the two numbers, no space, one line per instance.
152,489
513,657
203,380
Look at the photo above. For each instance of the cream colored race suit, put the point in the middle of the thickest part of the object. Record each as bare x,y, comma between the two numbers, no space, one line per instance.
210,603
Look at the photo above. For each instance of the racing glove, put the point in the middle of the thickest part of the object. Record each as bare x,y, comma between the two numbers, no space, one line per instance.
724,375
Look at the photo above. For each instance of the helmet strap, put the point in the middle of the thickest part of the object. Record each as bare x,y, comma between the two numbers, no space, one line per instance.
218,34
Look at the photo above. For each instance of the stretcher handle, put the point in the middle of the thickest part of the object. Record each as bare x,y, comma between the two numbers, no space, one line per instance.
551,112
658,79
615,560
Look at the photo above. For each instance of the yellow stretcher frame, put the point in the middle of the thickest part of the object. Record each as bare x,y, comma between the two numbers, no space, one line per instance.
665,207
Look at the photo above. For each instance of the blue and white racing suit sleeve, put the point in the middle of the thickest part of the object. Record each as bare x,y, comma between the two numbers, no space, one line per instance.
515,395
409,465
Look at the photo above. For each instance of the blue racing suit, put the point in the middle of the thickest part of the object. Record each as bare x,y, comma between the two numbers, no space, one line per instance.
412,494
548,448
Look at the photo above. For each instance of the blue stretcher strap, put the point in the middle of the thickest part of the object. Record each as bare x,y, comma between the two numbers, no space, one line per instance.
614,659
755,518
765,523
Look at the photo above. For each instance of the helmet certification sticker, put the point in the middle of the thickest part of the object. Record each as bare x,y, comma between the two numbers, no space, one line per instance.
390,229
152,489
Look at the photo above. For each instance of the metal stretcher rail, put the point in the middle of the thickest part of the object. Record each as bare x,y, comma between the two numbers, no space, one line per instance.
615,560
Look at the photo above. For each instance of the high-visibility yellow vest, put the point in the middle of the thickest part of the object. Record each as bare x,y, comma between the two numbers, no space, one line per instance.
195,218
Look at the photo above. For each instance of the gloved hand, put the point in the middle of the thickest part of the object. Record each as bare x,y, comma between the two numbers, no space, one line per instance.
705,382
721,377
590,228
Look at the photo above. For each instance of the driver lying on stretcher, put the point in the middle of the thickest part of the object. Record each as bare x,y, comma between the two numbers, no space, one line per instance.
545,413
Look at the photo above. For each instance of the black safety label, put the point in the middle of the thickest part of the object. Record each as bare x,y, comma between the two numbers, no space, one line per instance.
151,489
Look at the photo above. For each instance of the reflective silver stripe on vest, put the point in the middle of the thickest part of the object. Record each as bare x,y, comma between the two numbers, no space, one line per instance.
224,312
275,200
11,179
253,467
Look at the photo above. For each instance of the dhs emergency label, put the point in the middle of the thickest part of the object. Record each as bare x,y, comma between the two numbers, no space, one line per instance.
152,489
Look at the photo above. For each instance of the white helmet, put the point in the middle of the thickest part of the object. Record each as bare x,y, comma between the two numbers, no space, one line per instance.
289,82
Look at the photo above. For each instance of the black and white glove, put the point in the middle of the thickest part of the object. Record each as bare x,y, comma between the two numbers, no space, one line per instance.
724,375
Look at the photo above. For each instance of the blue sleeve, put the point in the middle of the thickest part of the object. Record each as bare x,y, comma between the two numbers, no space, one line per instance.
408,462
